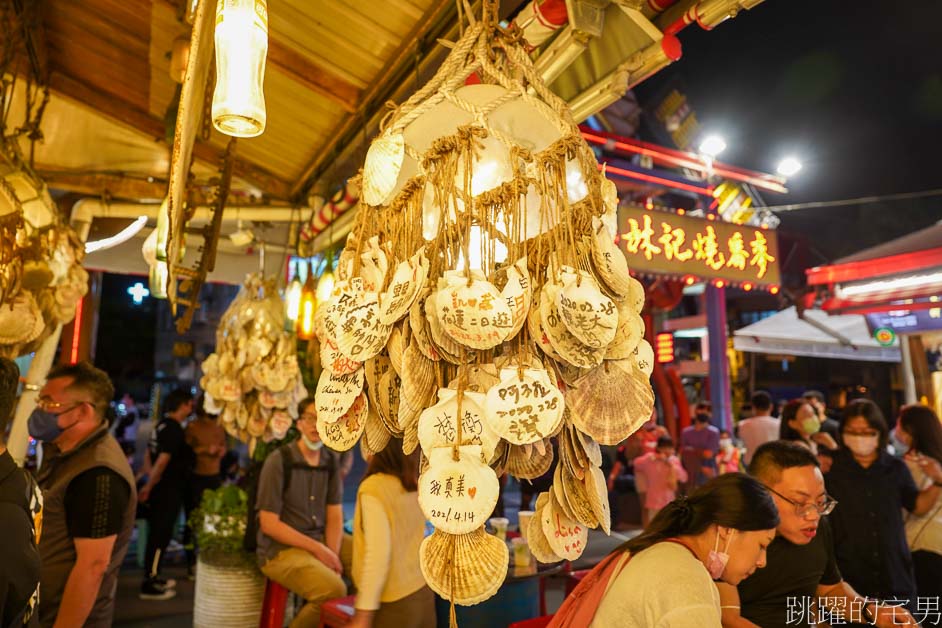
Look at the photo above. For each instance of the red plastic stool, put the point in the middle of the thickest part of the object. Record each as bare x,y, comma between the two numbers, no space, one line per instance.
536,622
273,606
337,612
574,578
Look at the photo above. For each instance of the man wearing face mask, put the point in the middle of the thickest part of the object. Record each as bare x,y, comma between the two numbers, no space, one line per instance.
301,544
89,498
802,583
699,444
874,488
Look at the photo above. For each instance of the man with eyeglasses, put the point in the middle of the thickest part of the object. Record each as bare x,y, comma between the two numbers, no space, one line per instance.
301,544
89,498
801,584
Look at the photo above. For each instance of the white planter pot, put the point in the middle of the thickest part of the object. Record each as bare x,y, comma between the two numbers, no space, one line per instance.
227,597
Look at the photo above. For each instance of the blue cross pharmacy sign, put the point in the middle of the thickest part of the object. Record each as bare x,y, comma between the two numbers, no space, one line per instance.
138,293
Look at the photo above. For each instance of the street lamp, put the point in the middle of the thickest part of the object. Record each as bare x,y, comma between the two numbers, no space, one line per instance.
788,167
712,145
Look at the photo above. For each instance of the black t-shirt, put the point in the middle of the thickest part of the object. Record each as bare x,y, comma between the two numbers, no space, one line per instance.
95,501
19,558
792,573
869,533
169,438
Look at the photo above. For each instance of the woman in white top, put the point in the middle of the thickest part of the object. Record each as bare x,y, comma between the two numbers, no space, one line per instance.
920,429
664,577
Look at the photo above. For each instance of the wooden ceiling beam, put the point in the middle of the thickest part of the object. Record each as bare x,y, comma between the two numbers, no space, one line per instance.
313,76
112,185
143,122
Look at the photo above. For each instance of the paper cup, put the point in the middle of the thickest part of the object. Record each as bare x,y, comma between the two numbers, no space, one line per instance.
499,526
524,517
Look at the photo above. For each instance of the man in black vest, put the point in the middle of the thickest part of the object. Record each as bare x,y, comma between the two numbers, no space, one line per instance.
89,498
20,510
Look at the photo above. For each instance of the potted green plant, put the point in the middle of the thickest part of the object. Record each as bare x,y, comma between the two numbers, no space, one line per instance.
229,586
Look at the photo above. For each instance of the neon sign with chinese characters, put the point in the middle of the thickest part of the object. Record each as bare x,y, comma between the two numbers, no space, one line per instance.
667,243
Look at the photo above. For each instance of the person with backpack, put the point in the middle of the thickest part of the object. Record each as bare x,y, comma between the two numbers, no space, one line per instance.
164,490
665,576
20,518
300,539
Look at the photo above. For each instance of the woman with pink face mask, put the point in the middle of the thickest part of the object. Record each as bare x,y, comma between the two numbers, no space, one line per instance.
665,577
873,489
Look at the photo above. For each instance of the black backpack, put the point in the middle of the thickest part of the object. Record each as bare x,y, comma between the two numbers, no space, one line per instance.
250,541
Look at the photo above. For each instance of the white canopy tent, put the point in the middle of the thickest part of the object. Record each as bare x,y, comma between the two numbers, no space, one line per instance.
787,334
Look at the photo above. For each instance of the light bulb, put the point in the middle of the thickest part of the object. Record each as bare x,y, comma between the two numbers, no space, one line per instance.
293,299
241,48
325,286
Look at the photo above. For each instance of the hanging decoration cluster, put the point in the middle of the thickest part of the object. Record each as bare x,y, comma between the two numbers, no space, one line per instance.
482,309
252,381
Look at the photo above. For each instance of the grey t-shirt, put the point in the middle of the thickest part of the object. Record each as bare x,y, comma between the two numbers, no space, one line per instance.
304,505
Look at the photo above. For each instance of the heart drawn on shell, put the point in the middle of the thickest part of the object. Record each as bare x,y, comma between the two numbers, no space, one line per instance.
472,492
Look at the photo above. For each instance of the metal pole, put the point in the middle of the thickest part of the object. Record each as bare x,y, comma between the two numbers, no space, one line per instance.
909,381
18,442
719,360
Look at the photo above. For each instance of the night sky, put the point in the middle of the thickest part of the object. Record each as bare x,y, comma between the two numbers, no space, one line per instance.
853,88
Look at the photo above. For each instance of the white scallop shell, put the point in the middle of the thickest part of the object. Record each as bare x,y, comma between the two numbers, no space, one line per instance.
342,434
457,496
438,424
524,407
588,314
336,393
381,168
474,315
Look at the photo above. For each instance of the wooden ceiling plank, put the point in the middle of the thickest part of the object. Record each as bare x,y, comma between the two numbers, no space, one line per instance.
312,76
101,184
70,16
408,43
140,120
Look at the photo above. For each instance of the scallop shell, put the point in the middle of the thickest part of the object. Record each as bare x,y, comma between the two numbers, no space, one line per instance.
343,434
643,356
410,438
476,378
567,538
443,344
609,260
589,315
438,424
518,294
636,295
387,397
373,370
597,492
628,334
472,313
280,423
610,419
374,266
395,347
538,334
457,496
525,407
526,463
376,436
210,405
381,168
466,569
407,280
536,539
571,495
21,321
418,325
418,385
336,393
360,335
566,345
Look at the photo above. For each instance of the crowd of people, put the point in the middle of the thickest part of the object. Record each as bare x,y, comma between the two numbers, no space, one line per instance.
798,519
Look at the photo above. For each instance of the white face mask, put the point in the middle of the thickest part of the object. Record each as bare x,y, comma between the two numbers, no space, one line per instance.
862,445
310,444
726,443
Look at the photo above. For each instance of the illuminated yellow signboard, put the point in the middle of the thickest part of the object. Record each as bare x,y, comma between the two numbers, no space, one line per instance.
668,243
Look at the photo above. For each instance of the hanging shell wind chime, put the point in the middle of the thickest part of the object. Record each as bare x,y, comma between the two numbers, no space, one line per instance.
484,313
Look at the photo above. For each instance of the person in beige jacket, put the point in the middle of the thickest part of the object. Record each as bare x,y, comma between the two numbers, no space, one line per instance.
388,528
